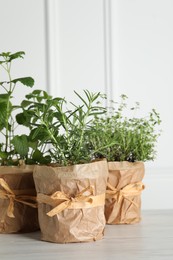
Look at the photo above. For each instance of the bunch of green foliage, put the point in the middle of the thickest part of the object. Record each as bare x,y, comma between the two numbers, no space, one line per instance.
119,137
64,130
66,133
12,147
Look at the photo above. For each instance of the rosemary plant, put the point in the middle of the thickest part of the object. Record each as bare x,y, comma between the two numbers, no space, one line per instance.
61,129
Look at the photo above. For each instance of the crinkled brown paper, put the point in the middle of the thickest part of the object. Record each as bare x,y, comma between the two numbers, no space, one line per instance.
18,209
123,198
71,201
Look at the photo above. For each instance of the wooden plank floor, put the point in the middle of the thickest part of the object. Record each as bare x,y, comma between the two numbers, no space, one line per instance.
152,239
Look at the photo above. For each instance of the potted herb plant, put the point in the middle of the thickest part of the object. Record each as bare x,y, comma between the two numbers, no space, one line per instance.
70,190
126,141
18,211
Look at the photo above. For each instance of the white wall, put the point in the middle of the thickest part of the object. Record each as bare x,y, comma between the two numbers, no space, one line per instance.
142,40
79,46
121,46
22,28
112,46
143,60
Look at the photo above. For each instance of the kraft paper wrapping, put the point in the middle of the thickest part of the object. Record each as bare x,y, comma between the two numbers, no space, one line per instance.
18,207
123,197
71,201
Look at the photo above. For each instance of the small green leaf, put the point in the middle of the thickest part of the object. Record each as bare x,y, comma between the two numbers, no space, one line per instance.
4,97
37,155
3,113
21,145
16,55
26,103
32,144
27,81
24,118
45,159
21,119
3,155
37,92
5,54
38,133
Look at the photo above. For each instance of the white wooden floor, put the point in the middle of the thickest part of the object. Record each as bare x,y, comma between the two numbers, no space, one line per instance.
150,239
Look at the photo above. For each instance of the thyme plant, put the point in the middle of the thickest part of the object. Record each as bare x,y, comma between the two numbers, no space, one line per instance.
118,137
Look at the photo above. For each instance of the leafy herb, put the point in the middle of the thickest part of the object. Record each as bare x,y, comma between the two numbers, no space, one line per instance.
11,148
118,137
64,130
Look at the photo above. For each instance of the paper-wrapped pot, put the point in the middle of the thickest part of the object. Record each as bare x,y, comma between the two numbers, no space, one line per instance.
18,207
123,196
71,201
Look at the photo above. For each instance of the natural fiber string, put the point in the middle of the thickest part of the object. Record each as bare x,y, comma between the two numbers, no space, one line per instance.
12,196
129,190
61,201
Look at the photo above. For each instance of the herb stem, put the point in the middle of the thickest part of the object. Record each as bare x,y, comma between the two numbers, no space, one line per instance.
9,92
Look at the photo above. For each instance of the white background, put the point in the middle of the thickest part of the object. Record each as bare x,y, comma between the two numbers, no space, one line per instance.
118,46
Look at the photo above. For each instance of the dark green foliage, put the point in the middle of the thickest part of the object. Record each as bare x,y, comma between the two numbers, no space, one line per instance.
63,129
12,148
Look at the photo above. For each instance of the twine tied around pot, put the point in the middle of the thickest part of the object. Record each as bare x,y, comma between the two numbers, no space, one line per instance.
130,190
24,196
61,201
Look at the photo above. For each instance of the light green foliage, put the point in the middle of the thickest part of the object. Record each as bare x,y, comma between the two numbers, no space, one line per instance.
66,133
125,138
87,131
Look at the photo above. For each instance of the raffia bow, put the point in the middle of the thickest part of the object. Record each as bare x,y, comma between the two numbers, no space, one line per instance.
60,201
129,190
16,195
